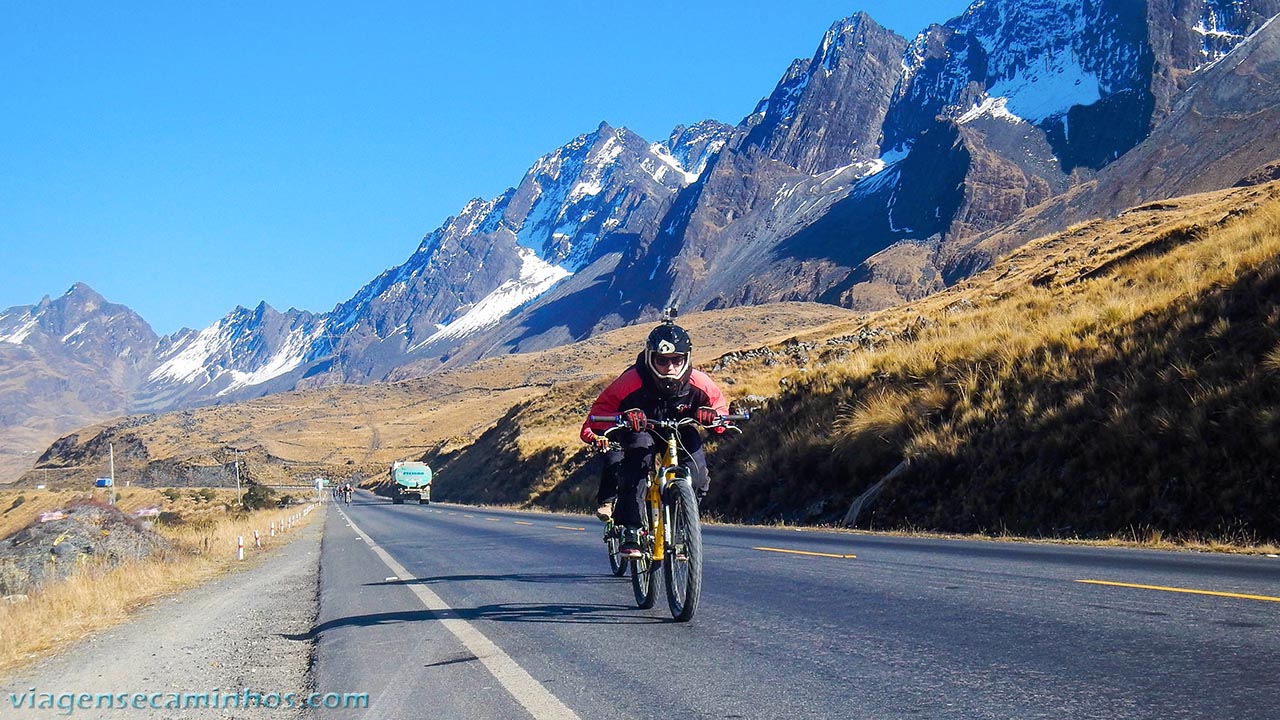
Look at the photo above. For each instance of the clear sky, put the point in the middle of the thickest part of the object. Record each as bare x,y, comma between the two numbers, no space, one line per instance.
183,158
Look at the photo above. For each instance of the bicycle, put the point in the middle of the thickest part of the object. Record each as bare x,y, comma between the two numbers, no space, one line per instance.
671,533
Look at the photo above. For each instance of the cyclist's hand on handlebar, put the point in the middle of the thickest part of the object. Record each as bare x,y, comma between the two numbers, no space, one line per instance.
599,441
705,416
634,419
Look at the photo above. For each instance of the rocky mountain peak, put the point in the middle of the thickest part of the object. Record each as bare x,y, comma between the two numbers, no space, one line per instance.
82,322
814,120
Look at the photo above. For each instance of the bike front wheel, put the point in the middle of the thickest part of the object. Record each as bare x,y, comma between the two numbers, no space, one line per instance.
683,564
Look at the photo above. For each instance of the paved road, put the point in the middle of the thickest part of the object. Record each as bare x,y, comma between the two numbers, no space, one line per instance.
494,614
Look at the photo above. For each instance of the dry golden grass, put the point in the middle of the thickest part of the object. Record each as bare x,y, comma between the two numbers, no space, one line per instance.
96,598
16,514
995,353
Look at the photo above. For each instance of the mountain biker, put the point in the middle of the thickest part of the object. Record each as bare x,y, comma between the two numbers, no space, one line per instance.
662,385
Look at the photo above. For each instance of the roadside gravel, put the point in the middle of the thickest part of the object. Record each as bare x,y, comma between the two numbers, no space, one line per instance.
247,632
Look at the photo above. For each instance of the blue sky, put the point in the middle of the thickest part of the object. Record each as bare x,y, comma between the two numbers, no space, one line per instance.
185,158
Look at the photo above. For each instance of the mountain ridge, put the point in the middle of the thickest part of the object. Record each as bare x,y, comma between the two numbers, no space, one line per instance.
879,170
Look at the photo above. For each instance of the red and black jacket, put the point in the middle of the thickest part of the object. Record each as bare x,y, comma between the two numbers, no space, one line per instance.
636,389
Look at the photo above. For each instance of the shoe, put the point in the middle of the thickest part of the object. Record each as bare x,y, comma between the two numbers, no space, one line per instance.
630,544
605,512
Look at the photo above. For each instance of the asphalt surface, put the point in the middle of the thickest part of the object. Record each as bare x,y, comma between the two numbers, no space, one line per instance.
453,612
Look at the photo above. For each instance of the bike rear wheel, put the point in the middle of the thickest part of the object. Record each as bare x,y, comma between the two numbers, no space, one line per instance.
613,543
683,564
644,571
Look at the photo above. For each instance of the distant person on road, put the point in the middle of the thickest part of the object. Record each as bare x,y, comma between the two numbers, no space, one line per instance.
662,385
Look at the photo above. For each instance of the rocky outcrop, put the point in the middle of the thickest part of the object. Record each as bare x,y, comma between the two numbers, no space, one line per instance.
84,535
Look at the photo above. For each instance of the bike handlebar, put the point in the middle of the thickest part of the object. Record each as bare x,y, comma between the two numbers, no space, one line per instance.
650,422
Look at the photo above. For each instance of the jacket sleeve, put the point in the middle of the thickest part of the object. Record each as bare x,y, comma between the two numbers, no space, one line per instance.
609,403
715,398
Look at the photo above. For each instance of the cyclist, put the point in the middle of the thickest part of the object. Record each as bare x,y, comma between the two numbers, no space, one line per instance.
662,385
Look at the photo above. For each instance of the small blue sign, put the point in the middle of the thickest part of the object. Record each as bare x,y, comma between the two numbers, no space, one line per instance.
103,482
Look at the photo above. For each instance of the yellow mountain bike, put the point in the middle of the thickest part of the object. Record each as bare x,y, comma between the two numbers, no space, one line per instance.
671,534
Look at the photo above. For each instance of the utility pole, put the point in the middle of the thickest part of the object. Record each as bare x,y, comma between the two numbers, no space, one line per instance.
237,464
111,491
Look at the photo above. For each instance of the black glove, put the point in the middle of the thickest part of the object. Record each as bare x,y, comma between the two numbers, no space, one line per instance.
634,419
705,416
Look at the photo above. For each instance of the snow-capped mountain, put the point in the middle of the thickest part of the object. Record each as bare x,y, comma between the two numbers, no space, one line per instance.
81,324
860,177
244,354
499,254
65,362
879,169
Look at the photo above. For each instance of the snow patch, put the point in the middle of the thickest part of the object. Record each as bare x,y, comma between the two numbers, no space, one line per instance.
17,336
660,151
893,155
656,266
1050,87
996,107
75,332
874,183
536,277
289,356
190,362
590,181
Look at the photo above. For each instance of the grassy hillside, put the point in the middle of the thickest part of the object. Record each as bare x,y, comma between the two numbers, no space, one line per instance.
1122,377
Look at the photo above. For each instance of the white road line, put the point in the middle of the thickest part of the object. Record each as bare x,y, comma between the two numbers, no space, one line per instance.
527,691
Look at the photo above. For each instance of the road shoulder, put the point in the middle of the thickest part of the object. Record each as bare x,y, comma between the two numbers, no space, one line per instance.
241,635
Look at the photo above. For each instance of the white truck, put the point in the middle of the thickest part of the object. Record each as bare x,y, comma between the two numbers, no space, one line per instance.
410,480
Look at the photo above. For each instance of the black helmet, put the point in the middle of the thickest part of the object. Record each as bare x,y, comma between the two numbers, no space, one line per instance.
666,340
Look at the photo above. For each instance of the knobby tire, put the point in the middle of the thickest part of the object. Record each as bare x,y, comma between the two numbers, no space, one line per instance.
682,567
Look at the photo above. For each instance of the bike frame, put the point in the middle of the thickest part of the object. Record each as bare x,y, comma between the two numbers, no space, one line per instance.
666,470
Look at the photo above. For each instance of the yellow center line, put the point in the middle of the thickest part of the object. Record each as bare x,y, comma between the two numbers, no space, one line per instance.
804,552
566,527
1191,591
521,522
